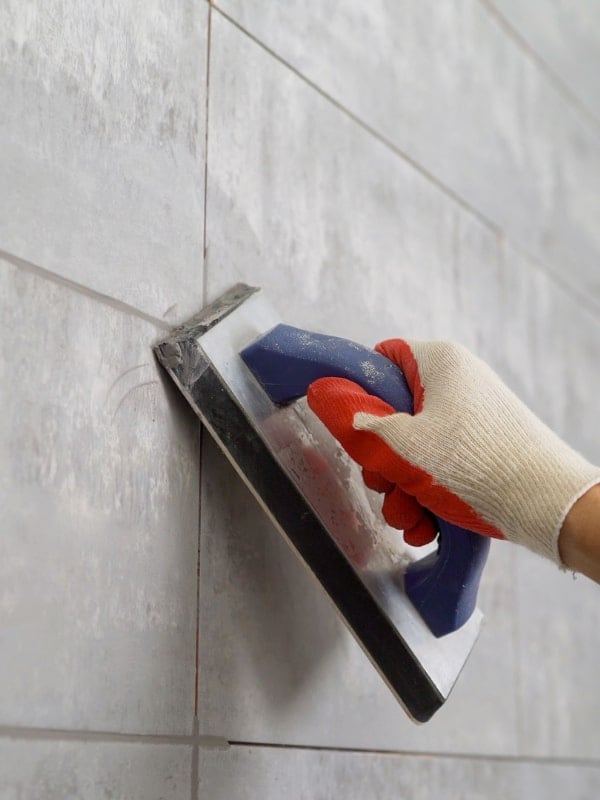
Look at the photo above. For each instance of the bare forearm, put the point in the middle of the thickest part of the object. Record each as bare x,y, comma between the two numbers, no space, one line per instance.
579,540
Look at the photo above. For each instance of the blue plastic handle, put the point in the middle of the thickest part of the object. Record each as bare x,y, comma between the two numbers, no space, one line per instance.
443,586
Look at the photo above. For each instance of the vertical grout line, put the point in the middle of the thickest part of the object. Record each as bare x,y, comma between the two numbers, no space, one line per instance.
196,725
195,764
194,788
197,650
208,40
206,121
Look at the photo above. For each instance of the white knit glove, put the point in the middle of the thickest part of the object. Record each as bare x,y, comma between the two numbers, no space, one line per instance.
473,453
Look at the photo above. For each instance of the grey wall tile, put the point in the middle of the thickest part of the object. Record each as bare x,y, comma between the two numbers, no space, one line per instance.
309,206
102,143
545,344
547,348
573,782
454,92
346,237
559,653
56,770
540,338
244,772
566,36
99,501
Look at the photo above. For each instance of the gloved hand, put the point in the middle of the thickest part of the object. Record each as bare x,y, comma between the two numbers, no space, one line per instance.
473,453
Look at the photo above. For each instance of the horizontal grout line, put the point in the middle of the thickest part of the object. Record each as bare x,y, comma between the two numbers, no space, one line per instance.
388,143
561,86
70,734
92,736
219,743
581,296
53,277
543,760
587,301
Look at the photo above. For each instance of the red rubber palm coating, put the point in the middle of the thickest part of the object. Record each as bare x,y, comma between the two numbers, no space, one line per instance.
336,401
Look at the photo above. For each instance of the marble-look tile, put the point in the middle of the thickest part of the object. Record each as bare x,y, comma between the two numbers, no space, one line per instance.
537,336
99,498
102,143
564,35
550,781
269,773
451,89
545,345
56,770
547,349
341,233
558,627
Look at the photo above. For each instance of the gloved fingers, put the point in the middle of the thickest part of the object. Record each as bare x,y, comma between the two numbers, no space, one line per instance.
402,511
376,482
423,533
359,421
336,401
395,452
343,406
399,351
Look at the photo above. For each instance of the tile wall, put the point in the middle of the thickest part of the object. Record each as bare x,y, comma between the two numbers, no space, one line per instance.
391,168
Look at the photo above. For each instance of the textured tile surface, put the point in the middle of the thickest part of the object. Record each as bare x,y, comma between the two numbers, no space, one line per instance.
315,210
559,652
99,503
57,770
366,251
566,36
102,145
455,93
546,347
102,173
270,774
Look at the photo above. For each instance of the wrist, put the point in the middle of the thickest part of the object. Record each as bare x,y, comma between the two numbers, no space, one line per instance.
579,539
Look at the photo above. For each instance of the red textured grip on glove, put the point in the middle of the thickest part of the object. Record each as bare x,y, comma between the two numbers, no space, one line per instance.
398,351
401,510
336,401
